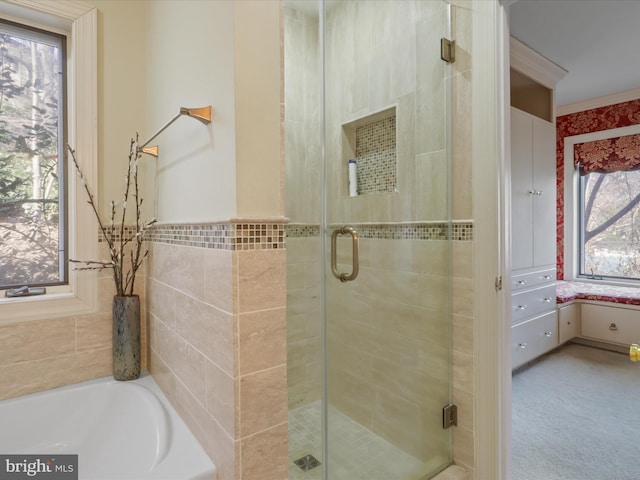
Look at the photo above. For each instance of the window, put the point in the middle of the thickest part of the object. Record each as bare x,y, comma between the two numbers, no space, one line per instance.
32,167
602,203
79,22
610,224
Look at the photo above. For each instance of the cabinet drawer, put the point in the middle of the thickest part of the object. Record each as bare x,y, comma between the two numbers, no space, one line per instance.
610,324
533,338
532,302
531,279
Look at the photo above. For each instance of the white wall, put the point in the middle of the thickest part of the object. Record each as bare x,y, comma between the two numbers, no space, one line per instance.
190,63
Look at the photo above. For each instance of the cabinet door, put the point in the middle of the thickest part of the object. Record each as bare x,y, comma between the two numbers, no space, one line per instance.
568,322
544,198
521,181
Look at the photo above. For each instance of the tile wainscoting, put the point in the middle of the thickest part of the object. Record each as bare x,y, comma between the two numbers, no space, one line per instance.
217,323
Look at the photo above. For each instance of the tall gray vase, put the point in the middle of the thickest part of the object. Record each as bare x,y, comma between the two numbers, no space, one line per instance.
126,337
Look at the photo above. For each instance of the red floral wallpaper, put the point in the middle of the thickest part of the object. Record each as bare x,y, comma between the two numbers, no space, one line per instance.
594,120
608,155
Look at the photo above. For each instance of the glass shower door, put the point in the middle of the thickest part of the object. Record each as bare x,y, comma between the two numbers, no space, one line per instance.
386,234
368,260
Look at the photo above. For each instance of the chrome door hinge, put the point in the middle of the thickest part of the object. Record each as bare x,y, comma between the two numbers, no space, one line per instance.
448,50
449,416
498,283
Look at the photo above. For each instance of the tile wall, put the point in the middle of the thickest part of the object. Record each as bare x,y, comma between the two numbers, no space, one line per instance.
370,73
45,354
218,340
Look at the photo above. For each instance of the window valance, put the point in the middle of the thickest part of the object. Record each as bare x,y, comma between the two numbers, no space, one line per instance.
608,155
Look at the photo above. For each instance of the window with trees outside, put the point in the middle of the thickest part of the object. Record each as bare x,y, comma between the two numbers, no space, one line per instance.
32,167
609,207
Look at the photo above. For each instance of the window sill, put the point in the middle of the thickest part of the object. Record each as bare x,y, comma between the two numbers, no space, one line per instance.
52,305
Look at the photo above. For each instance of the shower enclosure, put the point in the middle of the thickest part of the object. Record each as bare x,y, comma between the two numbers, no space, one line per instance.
369,241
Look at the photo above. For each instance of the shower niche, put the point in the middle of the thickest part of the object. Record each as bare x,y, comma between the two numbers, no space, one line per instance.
371,142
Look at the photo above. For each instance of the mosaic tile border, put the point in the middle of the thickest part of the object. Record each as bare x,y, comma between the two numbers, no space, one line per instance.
114,233
221,236
460,231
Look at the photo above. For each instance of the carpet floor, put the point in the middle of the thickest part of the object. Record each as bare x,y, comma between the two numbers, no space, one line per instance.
576,416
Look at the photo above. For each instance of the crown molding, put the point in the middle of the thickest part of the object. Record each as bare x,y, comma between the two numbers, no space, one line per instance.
530,63
604,101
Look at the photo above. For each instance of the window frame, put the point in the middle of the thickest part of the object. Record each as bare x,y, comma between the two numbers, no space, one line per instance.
79,22
572,233
46,35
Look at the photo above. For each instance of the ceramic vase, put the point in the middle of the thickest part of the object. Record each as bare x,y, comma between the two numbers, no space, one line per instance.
126,337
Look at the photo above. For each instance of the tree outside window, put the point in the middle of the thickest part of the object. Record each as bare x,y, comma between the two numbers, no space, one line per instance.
610,199
32,171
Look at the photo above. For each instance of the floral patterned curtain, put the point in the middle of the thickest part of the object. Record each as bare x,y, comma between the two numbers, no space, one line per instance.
608,155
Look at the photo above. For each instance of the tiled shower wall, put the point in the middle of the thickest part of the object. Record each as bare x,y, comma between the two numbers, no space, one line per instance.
218,340
368,73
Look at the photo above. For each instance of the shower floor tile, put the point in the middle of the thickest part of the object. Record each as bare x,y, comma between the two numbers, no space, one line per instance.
356,452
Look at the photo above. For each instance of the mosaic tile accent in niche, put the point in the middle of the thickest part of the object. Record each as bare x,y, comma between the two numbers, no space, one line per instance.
225,236
462,231
376,157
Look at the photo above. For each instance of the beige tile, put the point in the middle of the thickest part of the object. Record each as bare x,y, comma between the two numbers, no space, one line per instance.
215,441
463,371
462,334
163,377
106,292
218,279
208,329
352,396
410,425
463,297
464,401
94,331
262,340
34,376
187,363
161,302
462,259
36,340
262,280
463,447
179,267
263,400
221,398
264,455
462,166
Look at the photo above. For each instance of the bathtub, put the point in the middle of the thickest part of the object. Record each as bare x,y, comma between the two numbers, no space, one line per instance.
119,430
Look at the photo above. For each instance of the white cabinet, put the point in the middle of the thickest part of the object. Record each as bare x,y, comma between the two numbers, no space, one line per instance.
568,322
533,191
618,325
533,338
533,237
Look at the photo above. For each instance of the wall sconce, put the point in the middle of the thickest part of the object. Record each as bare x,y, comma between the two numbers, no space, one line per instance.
203,114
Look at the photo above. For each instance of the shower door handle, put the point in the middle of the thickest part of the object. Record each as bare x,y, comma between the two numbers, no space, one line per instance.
344,277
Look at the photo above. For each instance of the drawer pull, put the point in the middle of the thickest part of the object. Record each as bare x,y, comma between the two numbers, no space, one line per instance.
521,282
547,334
521,307
522,345
547,277
547,300
613,327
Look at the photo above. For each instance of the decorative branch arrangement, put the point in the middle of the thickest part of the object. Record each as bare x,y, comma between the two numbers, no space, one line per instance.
122,242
